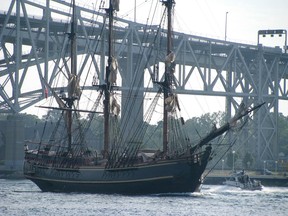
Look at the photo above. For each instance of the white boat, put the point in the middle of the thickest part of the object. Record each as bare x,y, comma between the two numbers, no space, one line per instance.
243,181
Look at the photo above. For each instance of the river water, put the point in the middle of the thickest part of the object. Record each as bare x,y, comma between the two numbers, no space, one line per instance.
22,197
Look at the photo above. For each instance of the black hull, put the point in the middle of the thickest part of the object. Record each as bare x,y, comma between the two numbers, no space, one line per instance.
165,177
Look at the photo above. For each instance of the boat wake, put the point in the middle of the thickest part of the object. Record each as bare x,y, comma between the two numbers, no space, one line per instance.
195,194
27,191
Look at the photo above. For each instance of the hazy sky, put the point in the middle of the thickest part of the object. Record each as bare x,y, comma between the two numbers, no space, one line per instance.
207,17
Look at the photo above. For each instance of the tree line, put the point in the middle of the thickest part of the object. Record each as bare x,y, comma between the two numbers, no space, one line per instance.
196,126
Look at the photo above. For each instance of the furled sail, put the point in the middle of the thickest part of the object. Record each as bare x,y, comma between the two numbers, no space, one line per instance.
113,71
114,106
170,58
171,103
74,87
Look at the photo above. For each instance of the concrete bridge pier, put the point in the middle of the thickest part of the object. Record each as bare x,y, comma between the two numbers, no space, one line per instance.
12,137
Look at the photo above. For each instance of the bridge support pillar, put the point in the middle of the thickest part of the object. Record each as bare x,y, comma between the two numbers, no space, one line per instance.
12,135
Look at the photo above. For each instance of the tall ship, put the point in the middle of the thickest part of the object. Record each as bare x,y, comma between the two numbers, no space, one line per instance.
66,163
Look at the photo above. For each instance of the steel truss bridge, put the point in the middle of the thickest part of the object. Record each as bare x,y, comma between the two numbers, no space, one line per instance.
254,74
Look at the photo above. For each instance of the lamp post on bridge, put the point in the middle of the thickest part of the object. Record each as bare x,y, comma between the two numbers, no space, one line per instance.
226,25
233,153
264,169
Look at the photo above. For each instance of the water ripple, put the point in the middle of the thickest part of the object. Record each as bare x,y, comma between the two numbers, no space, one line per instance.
22,197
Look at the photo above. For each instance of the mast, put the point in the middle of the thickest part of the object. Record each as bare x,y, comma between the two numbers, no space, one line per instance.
73,50
73,44
72,82
113,5
168,73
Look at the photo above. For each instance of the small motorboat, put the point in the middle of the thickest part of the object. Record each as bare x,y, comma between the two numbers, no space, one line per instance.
243,181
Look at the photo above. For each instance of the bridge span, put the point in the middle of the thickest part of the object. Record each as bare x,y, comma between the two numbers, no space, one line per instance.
33,46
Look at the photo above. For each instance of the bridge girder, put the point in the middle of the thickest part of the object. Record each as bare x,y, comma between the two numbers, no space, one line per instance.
235,71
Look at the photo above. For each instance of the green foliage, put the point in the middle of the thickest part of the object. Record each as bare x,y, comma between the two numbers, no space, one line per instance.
153,138
28,119
195,127
283,134
52,115
198,127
